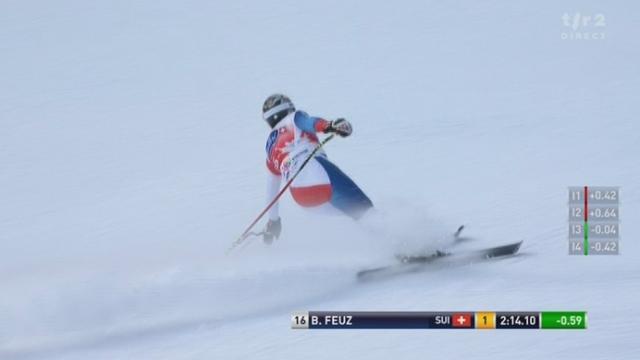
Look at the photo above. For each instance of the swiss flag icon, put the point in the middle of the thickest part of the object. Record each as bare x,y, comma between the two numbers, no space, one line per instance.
461,320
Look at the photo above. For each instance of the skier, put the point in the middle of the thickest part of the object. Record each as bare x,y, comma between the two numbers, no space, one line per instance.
321,184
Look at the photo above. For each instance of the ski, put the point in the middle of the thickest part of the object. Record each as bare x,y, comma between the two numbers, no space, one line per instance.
412,264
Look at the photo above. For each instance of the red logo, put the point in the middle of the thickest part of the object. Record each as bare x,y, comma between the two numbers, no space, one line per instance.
461,320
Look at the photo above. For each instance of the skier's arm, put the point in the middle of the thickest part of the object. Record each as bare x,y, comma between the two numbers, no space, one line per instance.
315,124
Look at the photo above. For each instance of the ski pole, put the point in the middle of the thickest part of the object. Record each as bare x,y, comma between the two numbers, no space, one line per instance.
247,231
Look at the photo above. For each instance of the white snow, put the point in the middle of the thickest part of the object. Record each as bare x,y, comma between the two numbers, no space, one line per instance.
132,155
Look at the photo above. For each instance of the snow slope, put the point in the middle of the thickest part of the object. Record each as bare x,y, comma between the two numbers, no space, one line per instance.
131,155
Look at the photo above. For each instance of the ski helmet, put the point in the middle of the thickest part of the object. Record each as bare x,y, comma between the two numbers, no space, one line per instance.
275,108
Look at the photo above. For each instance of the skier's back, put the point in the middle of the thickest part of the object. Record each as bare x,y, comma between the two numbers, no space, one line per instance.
320,183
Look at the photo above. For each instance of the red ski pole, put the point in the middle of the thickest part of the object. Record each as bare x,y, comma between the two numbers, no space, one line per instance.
247,231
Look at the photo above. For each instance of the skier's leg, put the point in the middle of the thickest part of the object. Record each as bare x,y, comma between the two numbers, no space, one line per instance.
346,195
322,185
312,187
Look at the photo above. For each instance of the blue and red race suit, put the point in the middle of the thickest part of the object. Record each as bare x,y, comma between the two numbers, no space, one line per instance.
321,182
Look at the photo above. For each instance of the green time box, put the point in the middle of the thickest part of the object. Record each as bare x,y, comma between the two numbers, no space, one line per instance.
563,320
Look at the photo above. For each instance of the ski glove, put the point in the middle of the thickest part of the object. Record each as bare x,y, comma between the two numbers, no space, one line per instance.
273,229
340,126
